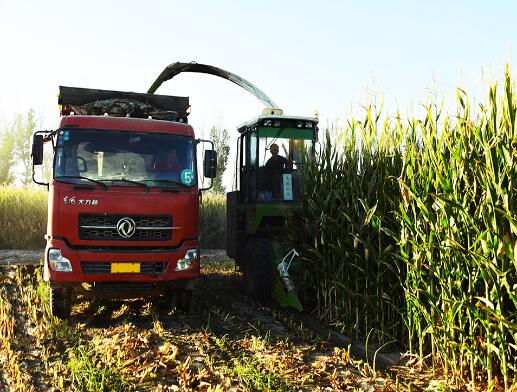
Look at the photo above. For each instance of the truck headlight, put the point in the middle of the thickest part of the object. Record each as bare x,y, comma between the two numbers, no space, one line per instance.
185,262
57,262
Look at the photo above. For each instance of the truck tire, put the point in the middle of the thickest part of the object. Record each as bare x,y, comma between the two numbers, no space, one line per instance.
257,265
180,299
184,301
60,302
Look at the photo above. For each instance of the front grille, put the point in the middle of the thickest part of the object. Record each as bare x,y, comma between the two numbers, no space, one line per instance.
111,220
104,227
96,267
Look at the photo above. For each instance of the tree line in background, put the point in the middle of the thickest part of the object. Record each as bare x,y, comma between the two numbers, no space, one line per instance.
15,152
220,138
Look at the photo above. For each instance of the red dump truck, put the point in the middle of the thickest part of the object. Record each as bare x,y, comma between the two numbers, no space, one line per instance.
123,206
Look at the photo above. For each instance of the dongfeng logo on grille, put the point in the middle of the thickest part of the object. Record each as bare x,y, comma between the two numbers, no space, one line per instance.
126,227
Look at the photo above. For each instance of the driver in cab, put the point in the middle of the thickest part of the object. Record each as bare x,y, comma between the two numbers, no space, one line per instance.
170,164
275,167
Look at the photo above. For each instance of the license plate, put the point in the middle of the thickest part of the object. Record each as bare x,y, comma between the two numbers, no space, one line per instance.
123,268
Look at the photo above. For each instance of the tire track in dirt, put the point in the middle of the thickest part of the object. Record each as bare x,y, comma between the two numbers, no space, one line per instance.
239,317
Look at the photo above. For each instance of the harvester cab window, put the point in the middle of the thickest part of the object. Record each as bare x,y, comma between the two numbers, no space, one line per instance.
278,173
248,175
270,158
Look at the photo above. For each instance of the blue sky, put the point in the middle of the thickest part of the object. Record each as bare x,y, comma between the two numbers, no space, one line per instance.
305,55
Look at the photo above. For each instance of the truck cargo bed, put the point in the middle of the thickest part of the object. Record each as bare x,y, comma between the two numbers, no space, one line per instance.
122,103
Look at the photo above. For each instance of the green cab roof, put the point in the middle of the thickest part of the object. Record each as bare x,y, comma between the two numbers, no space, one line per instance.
290,127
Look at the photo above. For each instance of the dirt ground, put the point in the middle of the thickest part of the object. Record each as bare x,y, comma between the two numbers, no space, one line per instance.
227,342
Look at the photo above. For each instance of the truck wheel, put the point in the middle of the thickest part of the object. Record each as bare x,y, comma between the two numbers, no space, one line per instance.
60,302
180,299
256,276
185,301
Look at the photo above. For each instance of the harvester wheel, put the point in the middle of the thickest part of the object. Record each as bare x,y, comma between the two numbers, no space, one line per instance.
256,276
60,302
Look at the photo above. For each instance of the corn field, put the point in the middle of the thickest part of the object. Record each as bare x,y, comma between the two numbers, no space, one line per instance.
23,218
409,235
458,237
212,221
352,273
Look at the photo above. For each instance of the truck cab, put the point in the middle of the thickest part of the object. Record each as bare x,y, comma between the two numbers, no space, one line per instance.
123,206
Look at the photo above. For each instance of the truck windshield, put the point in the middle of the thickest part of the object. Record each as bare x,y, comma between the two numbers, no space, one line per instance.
124,158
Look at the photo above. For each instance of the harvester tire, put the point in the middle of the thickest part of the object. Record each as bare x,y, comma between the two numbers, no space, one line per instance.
61,302
256,277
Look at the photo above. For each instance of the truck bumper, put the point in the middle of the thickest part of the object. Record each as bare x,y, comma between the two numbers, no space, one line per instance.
90,266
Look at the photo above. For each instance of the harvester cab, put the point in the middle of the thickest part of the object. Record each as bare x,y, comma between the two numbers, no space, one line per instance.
267,189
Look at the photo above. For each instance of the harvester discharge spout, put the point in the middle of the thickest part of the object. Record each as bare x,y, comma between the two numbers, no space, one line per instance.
176,68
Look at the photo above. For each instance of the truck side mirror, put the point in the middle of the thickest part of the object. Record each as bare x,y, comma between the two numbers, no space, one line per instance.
210,164
37,150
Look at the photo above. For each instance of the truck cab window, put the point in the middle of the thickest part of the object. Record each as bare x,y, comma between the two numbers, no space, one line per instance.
150,158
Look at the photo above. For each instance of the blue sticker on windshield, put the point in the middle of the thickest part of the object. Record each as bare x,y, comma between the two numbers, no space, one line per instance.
187,177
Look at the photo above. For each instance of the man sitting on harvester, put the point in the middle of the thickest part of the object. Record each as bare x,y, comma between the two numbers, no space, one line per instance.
275,167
